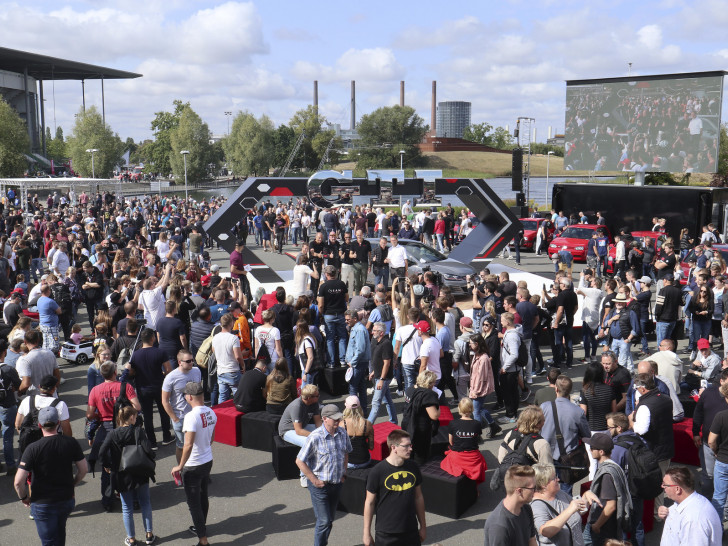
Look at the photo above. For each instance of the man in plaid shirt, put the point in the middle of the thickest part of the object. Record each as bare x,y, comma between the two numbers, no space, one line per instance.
323,461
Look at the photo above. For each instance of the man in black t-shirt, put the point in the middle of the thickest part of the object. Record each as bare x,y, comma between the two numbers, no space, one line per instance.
50,461
249,396
316,258
332,298
361,253
566,305
617,377
382,365
394,492
347,267
331,252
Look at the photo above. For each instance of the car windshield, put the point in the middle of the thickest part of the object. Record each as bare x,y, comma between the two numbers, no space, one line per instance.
424,254
577,233
529,224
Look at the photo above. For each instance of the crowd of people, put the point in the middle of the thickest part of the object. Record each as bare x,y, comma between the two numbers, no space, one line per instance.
171,330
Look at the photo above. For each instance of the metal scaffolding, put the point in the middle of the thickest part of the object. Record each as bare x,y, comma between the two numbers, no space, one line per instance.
524,136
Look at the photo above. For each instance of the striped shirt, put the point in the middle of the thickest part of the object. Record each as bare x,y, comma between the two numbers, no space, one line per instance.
325,453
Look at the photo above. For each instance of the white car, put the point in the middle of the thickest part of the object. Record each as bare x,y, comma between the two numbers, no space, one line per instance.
78,354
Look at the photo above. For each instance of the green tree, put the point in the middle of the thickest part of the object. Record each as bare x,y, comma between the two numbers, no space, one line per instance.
315,142
284,138
55,147
249,148
90,132
485,134
385,132
161,149
14,142
720,178
192,135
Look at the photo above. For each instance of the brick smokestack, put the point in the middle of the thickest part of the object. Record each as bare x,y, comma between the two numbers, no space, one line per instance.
433,113
352,122
315,96
401,93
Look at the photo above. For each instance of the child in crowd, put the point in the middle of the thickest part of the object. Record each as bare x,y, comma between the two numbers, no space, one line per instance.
20,283
76,336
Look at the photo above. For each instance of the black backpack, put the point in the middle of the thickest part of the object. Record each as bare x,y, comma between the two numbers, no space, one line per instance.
62,296
522,359
644,476
518,456
6,385
29,430
121,402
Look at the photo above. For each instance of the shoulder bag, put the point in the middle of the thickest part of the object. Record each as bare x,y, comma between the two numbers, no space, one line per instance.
574,465
136,460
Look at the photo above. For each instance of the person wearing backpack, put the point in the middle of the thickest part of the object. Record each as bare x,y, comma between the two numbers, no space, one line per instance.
644,476
132,485
528,429
101,405
9,383
509,368
26,419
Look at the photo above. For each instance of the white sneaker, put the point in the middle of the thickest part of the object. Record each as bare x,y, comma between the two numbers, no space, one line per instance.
304,482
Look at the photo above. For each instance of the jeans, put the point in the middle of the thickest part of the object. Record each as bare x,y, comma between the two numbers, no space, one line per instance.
589,340
195,479
335,328
592,538
562,335
324,502
720,487
308,379
360,275
701,329
147,398
228,383
379,394
178,433
638,528
707,464
410,372
382,276
36,266
91,307
643,326
296,235
358,385
439,242
7,418
624,353
528,370
291,437
480,413
664,330
536,356
50,521
141,494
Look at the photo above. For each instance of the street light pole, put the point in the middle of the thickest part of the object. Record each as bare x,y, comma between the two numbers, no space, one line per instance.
401,157
184,156
228,114
92,151
548,159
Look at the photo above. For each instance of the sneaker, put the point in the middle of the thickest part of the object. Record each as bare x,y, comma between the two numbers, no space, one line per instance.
487,433
495,429
192,529
151,539
506,420
525,394
304,482
168,441
129,541
400,393
155,447
542,371
30,516
497,407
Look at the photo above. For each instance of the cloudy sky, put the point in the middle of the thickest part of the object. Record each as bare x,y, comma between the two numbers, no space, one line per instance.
508,58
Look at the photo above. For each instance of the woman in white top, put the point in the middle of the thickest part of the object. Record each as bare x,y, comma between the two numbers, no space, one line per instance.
270,336
162,246
301,274
306,349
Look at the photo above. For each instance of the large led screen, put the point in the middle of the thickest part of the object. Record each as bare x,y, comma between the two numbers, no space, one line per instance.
644,124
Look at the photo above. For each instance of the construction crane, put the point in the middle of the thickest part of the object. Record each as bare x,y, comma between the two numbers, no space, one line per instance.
325,157
282,171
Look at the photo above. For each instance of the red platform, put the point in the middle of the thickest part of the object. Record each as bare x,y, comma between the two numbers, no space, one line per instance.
380,450
445,416
227,429
648,520
685,450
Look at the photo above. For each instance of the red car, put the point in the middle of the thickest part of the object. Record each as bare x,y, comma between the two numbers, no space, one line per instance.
639,236
530,231
685,266
575,239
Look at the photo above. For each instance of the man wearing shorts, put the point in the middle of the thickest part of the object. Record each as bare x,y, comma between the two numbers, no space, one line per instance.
173,397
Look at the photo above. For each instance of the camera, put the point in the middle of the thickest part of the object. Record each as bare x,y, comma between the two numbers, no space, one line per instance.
436,274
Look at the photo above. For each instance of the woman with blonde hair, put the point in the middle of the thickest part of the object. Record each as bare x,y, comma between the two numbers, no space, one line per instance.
93,375
360,432
528,429
464,456
555,514
23,325
280,388
421,414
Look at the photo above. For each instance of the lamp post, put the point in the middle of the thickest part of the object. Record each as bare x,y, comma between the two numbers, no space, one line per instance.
401,157
92,151
184,156
227,115
548,159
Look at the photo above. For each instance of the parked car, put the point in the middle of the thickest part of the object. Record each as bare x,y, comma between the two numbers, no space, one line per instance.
685,265
639,236
575,238
454,273
530,232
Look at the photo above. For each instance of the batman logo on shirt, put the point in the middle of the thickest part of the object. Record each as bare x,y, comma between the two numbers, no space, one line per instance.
400,481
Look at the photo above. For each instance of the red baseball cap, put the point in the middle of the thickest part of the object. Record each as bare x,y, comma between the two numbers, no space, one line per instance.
423,326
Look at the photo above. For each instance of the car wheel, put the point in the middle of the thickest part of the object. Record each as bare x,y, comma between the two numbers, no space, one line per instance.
82,359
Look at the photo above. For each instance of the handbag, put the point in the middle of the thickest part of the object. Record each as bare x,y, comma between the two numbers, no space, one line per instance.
574,465
136,460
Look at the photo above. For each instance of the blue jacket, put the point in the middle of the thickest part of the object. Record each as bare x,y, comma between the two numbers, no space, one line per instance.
358,352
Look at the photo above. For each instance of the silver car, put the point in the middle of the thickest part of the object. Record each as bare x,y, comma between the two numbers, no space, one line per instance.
454,273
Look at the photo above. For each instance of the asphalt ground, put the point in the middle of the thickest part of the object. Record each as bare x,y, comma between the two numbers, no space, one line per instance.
248,505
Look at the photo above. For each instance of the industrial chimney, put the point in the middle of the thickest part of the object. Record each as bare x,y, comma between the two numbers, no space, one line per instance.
352,123
433,113
401,93
315,96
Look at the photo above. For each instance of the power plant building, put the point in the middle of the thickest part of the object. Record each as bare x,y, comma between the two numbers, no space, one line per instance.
452,118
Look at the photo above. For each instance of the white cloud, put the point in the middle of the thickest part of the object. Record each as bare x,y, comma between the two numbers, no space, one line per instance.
366,66
650,36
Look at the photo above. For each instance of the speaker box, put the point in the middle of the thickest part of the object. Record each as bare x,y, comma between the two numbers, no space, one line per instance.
517,170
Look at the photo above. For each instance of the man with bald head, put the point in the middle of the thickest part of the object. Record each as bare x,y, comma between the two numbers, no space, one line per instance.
669,365
649,367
